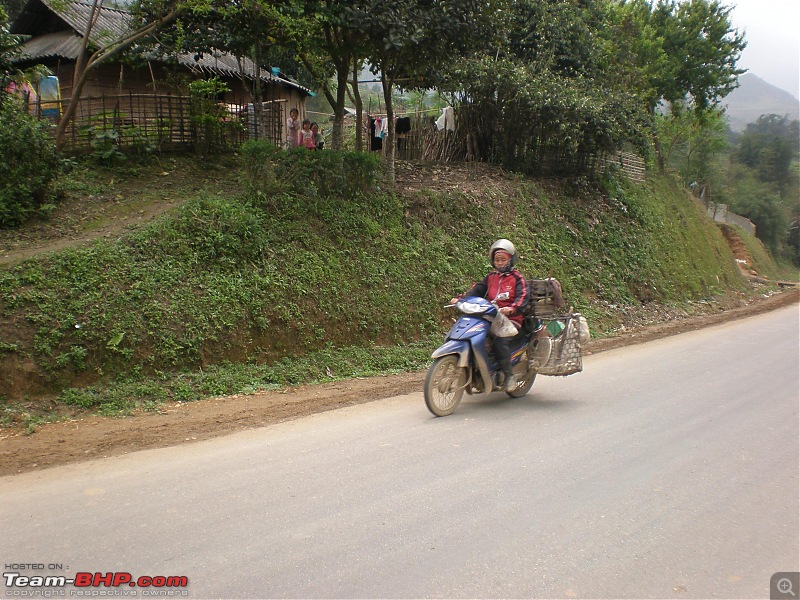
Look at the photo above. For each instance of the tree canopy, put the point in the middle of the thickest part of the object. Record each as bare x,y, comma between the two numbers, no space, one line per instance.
769,146
568,79
9,45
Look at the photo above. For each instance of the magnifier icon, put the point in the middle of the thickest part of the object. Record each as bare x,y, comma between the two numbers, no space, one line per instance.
785,586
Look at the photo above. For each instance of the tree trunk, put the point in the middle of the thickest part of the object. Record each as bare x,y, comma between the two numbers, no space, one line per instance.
662,165
342,71
388,143
359,108
80,61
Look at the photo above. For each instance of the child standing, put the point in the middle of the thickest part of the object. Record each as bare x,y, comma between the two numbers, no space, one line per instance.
318,143
293,128
306,138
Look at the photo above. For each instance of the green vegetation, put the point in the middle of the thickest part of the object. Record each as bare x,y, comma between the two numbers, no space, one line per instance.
312,273
762,182
28,164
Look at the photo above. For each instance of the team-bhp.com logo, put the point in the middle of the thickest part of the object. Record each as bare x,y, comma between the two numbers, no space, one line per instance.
89,584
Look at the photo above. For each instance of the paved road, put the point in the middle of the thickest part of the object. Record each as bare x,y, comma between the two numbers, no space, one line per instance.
666,470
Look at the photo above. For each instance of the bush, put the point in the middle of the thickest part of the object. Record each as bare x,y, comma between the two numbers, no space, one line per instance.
325,173
763,207
28,164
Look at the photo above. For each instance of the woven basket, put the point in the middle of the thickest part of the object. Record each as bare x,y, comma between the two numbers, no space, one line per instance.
565,357
541,304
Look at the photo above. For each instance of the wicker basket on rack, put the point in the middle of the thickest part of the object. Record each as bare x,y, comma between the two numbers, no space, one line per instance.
565,356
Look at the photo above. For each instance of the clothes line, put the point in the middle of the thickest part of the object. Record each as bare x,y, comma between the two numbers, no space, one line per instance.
403,114
374,114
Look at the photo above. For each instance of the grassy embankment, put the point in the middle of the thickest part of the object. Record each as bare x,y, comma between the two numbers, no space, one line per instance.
315,271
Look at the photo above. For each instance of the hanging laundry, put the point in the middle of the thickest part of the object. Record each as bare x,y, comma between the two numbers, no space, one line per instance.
446,120
376,143
402,125
50,96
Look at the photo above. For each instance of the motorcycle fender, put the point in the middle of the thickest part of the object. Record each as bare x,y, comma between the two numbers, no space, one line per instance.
459,347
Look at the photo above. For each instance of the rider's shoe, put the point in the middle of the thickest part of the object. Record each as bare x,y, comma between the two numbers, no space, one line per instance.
511,383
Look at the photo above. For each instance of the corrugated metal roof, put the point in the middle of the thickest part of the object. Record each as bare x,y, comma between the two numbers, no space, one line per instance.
112,23
222,62
62,44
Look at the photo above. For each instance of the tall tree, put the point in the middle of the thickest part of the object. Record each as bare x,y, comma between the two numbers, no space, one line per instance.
769,146
330,51
682,52
9,50
704,48
408,40
311,33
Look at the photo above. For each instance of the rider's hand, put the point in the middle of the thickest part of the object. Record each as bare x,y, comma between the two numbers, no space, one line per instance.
507,311
453,300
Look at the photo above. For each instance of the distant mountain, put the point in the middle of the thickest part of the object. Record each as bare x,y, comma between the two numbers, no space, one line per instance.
755,97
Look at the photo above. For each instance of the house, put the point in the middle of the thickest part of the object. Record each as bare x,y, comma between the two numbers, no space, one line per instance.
144,90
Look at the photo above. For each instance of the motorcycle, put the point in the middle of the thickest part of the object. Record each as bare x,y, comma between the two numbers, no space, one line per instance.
466,363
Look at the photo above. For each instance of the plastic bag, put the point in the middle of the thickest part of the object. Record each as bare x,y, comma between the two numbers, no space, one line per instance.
502,326
584,335
555,327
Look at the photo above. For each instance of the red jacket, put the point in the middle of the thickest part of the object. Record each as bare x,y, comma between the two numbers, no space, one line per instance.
507,289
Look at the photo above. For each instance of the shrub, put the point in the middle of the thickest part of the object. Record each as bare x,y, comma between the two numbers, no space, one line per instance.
28,164
326,173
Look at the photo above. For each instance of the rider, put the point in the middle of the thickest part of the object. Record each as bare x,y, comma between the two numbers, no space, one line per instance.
506,286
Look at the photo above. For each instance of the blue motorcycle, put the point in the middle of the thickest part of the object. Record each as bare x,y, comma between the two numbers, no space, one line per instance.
465,361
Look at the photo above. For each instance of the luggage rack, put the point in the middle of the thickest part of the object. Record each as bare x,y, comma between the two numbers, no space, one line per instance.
542,302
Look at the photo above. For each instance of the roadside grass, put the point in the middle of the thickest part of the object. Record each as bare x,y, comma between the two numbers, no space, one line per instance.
325,365
763,261
306,268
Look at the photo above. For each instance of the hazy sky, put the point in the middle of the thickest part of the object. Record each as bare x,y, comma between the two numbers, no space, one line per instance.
772,31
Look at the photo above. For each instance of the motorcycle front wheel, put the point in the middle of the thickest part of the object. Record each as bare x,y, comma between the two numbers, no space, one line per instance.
444,385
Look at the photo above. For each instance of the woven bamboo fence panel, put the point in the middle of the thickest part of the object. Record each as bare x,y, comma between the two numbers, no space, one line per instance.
169,121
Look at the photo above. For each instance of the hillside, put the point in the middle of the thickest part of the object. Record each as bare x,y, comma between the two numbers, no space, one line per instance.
755,97
641,262
178,280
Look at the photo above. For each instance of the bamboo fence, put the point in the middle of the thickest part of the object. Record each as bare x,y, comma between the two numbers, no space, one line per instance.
167,121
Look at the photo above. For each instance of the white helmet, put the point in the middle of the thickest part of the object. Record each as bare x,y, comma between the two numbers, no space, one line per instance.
505,245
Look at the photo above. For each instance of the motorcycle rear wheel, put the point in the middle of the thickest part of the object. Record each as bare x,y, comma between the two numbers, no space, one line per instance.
525,378
444,385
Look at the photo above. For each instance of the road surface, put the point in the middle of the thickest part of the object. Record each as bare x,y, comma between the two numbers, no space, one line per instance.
664,470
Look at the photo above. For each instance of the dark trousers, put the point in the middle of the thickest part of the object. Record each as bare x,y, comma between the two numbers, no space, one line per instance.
502,352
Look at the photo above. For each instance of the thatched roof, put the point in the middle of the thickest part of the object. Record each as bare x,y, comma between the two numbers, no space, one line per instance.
56,28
